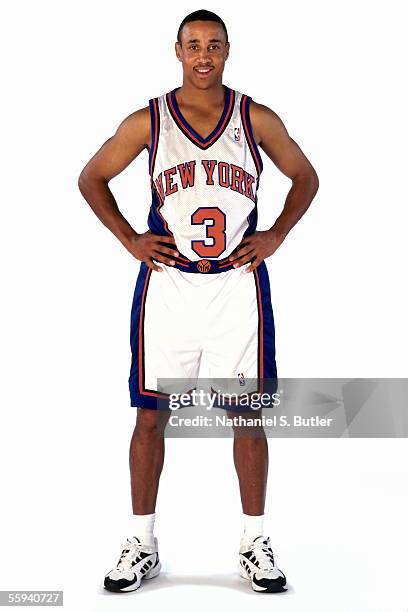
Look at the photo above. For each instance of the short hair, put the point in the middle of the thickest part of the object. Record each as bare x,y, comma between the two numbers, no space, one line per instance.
201,15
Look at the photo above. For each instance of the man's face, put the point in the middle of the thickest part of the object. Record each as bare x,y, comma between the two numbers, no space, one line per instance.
203,51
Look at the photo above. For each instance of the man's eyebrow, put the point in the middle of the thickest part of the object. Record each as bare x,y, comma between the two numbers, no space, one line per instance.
196,40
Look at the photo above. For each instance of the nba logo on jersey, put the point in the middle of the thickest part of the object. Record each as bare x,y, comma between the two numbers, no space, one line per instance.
241,379
237,134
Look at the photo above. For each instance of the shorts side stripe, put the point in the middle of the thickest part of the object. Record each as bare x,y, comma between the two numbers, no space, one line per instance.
266,329
140,396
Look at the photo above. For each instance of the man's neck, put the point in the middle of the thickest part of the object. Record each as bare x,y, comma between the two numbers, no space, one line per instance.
213,96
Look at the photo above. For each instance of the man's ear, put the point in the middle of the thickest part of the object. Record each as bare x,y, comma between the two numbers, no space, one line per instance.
227,47
177,48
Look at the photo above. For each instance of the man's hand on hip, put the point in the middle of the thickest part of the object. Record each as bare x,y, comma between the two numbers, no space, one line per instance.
148,247
255,248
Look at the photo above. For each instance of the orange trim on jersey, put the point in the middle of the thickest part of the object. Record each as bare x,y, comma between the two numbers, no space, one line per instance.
155,125
245,101
203,143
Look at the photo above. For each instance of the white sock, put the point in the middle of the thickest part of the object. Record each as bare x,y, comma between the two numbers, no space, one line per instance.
142,527
253,526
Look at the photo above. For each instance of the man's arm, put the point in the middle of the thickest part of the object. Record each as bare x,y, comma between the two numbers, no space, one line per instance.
273,138
271,135
130,139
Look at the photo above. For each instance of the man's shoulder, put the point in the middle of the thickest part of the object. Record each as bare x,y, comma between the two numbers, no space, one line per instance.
262,118
138,116
136,126
138,119
261,112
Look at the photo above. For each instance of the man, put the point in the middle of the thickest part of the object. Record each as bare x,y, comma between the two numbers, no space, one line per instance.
202,261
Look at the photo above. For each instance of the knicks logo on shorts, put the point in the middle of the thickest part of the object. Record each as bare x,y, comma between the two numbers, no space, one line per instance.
204,266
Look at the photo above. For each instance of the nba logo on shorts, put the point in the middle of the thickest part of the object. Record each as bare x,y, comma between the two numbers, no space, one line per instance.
241,379
237,134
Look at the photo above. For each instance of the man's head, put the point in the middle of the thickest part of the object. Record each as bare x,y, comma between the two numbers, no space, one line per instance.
202,47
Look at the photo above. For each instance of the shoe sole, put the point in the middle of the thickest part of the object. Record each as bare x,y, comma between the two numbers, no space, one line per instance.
276,588
155,571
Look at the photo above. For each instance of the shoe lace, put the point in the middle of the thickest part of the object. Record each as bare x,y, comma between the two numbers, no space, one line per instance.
130,552
264,555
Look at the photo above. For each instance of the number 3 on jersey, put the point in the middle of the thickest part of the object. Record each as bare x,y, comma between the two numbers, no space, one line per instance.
215,230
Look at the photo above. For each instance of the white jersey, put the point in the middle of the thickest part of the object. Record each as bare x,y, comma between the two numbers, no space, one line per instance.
204,189
202,310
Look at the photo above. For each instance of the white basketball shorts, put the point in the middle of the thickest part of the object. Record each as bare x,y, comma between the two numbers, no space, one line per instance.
180,318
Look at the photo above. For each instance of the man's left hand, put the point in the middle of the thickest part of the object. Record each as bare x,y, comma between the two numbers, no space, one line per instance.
255,248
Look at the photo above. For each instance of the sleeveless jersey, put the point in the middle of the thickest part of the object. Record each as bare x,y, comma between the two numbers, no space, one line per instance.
204,190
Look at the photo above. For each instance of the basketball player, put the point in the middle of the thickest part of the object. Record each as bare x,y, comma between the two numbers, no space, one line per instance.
202,259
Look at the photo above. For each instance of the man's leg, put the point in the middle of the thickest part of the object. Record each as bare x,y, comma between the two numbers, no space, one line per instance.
251,464
140,557
256,558
146,457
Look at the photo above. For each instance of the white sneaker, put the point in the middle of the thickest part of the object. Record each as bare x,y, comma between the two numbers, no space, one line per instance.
137,561
256,563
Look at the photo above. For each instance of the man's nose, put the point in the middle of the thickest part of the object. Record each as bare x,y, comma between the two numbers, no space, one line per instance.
204,55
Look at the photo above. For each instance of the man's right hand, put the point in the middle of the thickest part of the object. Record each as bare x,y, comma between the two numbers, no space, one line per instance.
148,247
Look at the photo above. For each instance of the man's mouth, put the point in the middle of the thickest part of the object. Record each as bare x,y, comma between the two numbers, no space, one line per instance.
203,69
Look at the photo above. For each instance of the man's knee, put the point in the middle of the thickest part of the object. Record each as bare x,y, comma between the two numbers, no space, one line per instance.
247,425
151,422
